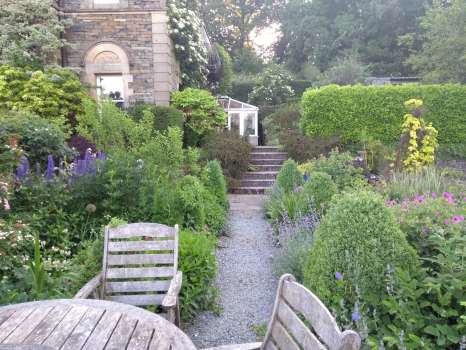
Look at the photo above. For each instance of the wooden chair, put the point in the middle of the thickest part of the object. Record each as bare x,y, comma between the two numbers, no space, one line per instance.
140,267
300,321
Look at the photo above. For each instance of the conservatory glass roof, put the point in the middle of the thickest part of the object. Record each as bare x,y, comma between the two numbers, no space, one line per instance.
230,104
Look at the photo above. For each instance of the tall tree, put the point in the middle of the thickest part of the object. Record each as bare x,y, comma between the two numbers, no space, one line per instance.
443,54
321,31
29,32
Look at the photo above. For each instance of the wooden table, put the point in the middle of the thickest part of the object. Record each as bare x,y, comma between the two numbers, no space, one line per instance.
87,324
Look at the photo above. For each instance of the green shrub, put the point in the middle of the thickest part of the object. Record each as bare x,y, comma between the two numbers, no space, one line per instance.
340,167
289,178
359,239
202,112
37,137
242,87
163,117
191,202
225,85
233,153
199,266
273,87
345,111
215,182
320,188
55,95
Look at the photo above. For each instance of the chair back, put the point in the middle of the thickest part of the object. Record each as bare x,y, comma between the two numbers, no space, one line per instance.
301,321
140,260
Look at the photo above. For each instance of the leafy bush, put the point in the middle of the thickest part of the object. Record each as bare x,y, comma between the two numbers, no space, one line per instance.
55,95
163,117
335,110
320,188
282,128
225,85
199,266
358,239
340,167
242,86
289,178
345,71
214,181
202,112
233,153
191,203
37,137
273,87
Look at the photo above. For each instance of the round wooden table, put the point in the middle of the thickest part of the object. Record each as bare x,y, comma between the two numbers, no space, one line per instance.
87,324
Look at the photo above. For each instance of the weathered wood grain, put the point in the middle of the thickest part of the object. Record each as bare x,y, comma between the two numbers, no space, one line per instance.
141,246
140,259
139,272
141,337
138,300
122,334
81,333
102,332
89,288
13,322
63,330
47,325
141,230
138,286
28,325
282,338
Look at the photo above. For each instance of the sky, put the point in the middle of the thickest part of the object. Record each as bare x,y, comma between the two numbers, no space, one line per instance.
264,39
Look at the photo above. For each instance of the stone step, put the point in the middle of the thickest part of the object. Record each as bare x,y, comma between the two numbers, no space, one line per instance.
261,175
257,183
266,149
249,190
269,155
266,168
267,161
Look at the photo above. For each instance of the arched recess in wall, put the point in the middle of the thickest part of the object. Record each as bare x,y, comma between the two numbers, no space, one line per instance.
107,72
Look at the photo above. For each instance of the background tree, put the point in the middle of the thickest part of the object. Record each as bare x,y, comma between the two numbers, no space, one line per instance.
30,32
443,54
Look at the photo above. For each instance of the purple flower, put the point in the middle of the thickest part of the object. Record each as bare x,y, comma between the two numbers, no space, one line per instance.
457,219
355,316
447,222
420,198
434,195
449,197
50,168
338,276
23,168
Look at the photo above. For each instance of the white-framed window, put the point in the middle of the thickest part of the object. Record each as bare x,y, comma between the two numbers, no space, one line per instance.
112,86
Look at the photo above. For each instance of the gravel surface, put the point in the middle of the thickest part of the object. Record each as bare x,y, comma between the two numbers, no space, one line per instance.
245,280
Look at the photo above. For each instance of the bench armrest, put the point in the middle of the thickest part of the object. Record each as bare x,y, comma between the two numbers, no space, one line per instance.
171,299
89,288
250,346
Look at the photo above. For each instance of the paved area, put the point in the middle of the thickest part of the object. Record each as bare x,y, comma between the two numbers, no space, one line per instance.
245,279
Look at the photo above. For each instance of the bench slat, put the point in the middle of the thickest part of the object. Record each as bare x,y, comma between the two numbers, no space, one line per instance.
282,338
137,286
140,259
138,300
141,246
141,230
140,272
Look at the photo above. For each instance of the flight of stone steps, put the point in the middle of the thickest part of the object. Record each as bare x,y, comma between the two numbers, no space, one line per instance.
266,162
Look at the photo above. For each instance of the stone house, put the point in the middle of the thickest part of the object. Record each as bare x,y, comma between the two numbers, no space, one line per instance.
121,48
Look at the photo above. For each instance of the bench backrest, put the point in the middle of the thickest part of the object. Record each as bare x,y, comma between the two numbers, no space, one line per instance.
301,321
140,260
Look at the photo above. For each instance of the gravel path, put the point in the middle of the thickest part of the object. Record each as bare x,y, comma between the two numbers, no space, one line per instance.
245,281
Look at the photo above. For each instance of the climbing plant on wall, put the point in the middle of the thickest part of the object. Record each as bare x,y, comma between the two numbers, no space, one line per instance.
188,35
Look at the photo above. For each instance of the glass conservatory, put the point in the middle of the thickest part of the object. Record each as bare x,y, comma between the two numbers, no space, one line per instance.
243,118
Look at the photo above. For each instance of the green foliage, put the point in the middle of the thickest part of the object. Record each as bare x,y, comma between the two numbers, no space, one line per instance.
214,181
246,61
289,178
227,71
335,110
441,57
273,87
163,117
202,112
359,239
426,181
31,33
55,95
340,167
320,188
199,266
37,137
186,32
242,86
232,151
345,71
191,198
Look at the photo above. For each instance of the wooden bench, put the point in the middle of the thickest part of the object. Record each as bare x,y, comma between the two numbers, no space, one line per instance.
140,268
300,321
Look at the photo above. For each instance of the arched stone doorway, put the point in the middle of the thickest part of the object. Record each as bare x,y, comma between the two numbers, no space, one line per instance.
106,69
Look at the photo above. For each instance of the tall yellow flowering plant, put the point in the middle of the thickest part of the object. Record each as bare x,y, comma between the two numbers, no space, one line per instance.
419,140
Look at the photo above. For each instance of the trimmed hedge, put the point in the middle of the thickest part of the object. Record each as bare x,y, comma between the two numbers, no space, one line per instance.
347,110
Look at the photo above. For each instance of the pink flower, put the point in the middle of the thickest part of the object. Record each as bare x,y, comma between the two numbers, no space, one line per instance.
420,198
438,214
446,222
434,195
457,219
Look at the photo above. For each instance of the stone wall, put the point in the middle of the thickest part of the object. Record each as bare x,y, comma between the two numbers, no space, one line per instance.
131,5
141,34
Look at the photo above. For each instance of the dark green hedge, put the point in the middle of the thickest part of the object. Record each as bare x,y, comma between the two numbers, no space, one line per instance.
348,110
242,89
